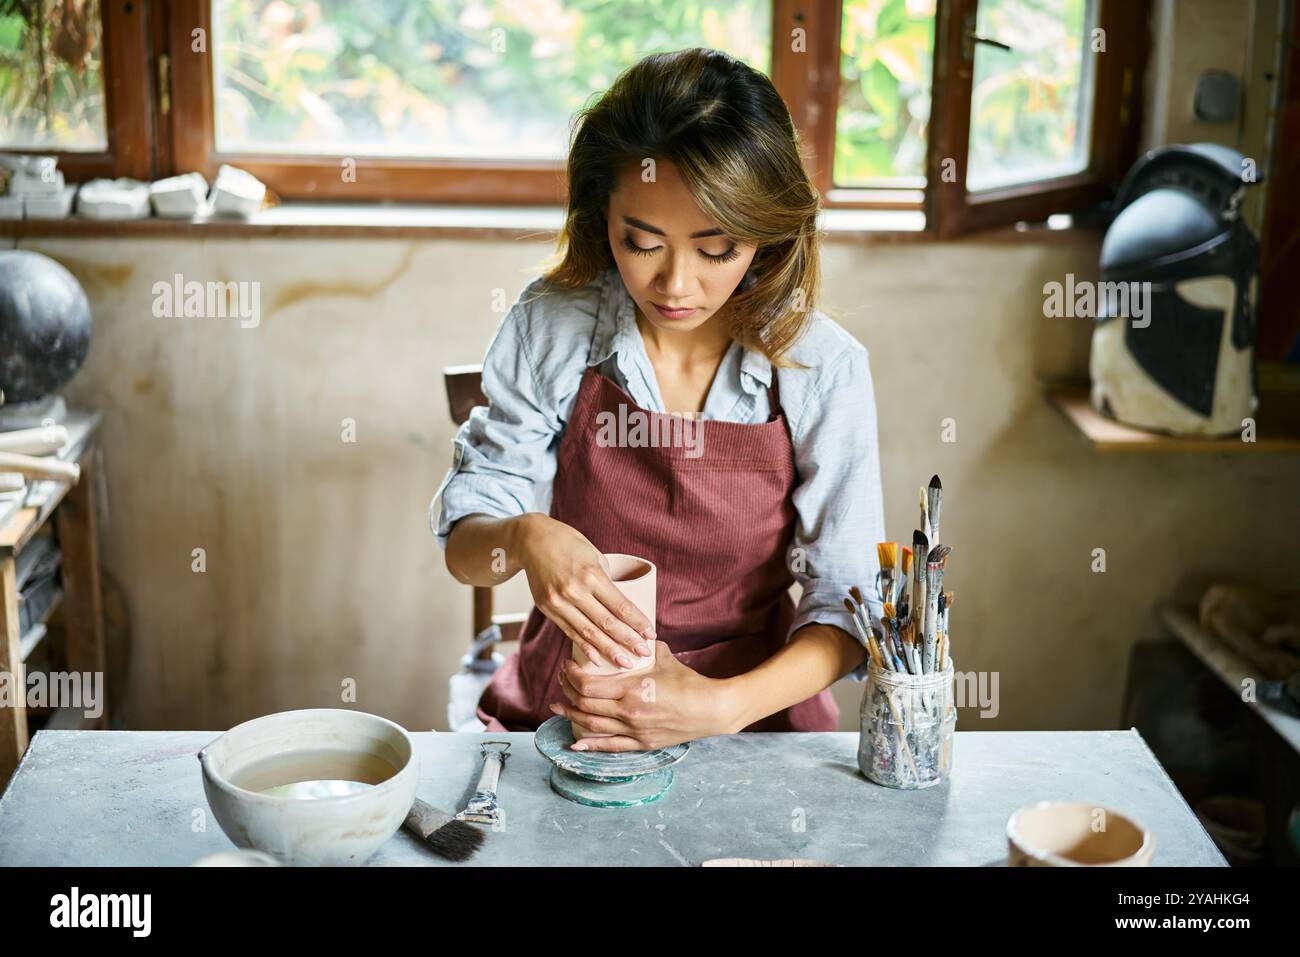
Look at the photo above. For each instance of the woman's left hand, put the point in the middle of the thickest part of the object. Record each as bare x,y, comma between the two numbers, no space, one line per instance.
664,705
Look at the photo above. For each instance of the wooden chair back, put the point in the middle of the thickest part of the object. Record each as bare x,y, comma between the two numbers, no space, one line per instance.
464,391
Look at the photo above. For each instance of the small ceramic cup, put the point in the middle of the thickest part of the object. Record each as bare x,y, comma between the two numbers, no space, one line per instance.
635,578
1076,834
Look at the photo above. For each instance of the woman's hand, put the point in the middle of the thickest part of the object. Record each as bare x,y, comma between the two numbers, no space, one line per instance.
665,705
568,578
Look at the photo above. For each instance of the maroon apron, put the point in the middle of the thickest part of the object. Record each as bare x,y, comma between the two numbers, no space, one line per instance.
717,526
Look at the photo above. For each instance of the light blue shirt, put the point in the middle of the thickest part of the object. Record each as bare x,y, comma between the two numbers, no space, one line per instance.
504,456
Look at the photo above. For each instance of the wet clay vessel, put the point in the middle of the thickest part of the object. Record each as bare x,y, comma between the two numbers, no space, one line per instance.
635,578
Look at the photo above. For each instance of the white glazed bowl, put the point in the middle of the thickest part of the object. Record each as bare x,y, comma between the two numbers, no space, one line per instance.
320,831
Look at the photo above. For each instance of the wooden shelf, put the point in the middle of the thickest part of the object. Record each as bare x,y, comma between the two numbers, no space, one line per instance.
1229,667
17,529
36,633
1277,428
72,509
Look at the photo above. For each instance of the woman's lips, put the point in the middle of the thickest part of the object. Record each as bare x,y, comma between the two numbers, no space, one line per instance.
672,313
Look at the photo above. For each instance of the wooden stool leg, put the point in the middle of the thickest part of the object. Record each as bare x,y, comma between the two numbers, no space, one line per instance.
483,618
13,715
82,603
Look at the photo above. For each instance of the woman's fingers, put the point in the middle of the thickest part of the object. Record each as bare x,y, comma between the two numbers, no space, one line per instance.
595,644
597,723
597,626
624,614
615,742
597,697
624,644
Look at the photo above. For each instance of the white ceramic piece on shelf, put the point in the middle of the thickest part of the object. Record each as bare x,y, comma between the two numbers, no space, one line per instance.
113,199
236,192
50,206
179,197
32,175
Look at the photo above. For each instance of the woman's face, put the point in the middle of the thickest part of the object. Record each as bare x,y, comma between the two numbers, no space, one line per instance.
671,255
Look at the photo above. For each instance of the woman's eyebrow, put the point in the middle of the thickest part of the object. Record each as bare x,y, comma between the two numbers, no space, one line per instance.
659,232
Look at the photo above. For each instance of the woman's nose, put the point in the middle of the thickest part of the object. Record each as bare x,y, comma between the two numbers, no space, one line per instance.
677,281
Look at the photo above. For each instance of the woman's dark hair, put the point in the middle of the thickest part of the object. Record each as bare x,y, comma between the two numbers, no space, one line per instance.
730,136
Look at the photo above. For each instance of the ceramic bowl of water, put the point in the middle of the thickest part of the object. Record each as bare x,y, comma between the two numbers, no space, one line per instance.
319,787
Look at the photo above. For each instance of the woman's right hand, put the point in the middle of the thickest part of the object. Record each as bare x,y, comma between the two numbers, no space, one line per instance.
570,584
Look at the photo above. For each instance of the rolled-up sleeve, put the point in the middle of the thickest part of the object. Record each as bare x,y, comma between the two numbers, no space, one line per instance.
504,450
838,500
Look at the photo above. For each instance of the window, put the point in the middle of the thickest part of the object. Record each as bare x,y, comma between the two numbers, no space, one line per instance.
74,81
433,100
441,80
883,107
976,112
52,81
1040,103
1031,100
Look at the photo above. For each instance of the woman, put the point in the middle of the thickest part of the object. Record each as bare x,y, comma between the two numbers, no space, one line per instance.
687,271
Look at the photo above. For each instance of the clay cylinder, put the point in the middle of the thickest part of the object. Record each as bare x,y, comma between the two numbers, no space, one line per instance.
635,578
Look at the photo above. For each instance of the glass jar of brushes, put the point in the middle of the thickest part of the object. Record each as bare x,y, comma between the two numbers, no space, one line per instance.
907,727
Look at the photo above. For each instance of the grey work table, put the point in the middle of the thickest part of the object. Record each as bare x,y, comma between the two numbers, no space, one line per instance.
97,798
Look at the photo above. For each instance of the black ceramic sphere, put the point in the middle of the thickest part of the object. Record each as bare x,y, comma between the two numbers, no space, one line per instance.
44,325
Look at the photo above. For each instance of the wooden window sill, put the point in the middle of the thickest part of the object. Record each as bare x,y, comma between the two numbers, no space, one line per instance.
391,220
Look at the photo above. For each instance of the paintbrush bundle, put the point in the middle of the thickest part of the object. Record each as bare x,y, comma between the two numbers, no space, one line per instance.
911,634
908,714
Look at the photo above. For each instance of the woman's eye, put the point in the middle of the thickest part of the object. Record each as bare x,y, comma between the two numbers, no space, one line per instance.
636,250
726,257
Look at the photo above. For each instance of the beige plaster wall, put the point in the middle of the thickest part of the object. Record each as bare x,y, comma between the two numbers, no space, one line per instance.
320,567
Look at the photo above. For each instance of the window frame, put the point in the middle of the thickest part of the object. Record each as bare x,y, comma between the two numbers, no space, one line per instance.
1114,131
309,177
161,122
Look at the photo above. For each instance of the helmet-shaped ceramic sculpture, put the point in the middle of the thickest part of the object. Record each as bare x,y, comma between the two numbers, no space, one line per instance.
1187,364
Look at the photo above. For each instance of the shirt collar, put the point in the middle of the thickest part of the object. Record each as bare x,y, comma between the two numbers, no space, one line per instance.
616,332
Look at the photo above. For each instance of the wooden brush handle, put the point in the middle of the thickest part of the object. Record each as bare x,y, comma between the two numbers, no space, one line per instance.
423,818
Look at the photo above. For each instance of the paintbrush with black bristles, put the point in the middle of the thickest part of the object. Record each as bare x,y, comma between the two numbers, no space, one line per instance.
451,835
934,501
442,833
920,548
